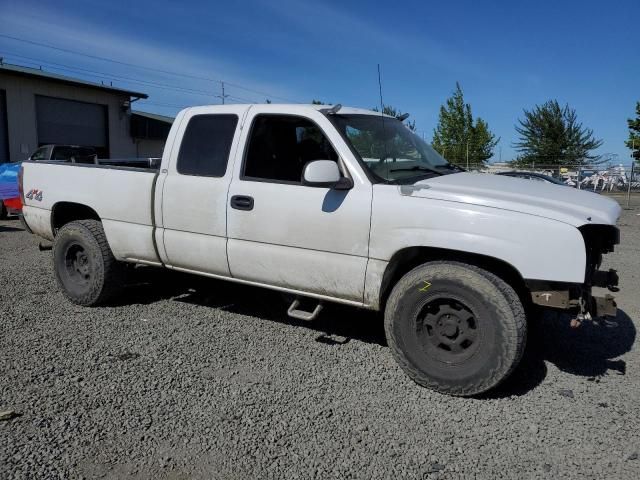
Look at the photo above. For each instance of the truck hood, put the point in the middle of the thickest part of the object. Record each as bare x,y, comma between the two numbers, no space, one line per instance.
556,202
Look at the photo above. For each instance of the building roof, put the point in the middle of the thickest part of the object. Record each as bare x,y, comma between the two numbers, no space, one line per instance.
35,72
154,116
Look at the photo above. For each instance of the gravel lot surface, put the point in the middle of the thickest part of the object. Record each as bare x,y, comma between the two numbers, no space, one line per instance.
191,378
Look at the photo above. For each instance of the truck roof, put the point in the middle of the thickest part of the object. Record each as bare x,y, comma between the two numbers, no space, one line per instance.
284,106
350,110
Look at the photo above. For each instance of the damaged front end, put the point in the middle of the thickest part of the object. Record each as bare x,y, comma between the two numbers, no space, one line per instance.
598,240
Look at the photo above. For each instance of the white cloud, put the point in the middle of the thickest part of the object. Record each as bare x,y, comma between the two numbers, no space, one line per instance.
355,34
66,31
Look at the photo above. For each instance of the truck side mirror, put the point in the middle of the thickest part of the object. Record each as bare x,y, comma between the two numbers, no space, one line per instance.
324,173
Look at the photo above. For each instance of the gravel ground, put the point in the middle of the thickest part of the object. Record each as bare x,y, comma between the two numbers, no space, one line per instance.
191,378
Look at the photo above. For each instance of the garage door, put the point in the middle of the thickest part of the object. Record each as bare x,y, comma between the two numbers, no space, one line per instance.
68,122
4,134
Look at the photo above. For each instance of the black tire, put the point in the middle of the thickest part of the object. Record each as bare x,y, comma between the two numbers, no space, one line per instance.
3,211
455,328
84,266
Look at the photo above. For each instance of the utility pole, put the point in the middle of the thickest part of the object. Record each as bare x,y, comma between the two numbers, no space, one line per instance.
633,162
223,96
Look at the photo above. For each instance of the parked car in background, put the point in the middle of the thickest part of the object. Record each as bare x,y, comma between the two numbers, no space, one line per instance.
9,199
86,155
9,195
534,176
64,153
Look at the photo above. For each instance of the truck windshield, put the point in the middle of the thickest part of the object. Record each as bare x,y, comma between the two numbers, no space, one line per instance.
390,150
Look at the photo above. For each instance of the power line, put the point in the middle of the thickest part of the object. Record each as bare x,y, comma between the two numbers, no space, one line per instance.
101,75
173,105
222,96
97,74
160,104
241,99
152,69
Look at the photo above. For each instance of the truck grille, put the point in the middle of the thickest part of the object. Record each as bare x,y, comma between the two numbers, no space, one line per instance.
598,240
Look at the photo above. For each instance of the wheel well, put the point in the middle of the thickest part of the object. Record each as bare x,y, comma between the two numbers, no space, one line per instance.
65,212
407,259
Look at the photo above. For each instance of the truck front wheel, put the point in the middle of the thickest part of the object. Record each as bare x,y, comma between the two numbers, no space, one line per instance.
455,328
85,269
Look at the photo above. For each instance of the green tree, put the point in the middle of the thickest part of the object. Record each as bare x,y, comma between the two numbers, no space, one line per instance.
634,134
482,142
457,137
551,135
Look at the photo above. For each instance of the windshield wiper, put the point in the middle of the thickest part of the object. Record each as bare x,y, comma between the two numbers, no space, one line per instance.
417,168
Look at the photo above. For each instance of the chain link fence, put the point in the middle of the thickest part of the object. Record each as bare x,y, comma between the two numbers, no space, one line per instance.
621,182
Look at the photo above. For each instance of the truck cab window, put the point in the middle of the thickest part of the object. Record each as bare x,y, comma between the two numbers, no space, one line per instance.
281,145
206,145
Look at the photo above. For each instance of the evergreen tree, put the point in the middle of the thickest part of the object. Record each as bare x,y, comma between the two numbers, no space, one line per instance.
551,135
457,137
482,142
634,134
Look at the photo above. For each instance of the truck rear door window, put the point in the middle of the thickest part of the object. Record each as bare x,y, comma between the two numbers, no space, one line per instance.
281,145
206,144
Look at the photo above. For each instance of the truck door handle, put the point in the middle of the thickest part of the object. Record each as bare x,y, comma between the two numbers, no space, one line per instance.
242,202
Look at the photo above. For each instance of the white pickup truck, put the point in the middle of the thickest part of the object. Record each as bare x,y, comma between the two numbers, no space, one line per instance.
343,205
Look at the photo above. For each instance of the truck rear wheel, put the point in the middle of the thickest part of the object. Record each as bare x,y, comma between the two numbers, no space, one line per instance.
84,266
455,328
3,211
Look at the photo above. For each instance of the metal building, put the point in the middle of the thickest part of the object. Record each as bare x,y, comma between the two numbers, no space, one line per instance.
39,108
149,131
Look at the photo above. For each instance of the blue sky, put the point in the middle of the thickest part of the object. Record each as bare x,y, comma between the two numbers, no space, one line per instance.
506,55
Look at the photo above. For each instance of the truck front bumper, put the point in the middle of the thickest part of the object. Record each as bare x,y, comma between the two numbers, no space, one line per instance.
578,297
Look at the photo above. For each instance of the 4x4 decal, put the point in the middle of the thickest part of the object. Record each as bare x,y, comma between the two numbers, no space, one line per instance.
34,194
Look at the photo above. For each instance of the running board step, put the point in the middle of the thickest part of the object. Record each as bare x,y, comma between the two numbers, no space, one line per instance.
294,312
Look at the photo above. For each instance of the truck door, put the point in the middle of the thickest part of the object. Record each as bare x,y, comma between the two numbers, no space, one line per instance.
194,190
283,233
